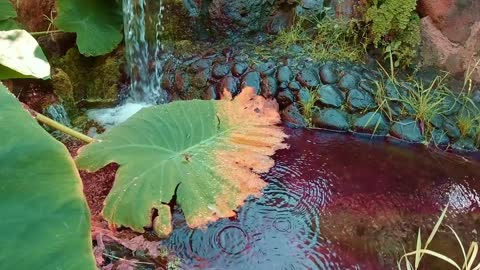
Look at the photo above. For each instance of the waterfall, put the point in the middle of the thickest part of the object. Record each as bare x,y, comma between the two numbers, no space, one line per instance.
142,24
58,113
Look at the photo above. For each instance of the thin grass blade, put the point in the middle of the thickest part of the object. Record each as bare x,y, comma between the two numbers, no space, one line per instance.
419,247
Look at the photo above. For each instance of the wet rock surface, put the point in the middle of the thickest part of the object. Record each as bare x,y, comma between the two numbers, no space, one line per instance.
330,96
331,119
372,123
408,130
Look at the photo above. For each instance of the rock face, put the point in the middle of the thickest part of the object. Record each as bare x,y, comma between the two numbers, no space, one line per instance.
451,34
240,16
230,18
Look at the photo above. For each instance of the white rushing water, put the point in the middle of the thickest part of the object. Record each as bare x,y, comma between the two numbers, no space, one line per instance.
142,25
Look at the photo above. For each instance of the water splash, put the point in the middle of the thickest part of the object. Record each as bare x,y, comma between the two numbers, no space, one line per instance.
142,25
58,113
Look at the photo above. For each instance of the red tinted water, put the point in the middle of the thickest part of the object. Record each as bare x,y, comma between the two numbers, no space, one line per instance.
338,202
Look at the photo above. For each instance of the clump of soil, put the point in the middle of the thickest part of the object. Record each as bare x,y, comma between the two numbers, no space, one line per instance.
96,185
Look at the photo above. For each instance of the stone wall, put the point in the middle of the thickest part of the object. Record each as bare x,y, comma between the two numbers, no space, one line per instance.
451,35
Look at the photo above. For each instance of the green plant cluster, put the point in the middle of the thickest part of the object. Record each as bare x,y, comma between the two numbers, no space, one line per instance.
429,103
323,37
394,26
470,255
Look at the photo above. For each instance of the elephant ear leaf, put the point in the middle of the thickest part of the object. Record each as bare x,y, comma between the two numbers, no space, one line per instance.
21,56
212,150
98,24
45,219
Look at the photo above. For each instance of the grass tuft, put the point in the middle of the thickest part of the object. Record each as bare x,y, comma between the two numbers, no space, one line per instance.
469,257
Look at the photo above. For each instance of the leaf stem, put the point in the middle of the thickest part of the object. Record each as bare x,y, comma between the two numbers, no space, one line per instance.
44,32
54,124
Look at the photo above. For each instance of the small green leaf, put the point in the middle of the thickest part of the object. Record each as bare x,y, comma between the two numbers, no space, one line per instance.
98,24
45,218
7,10
211,150
21,56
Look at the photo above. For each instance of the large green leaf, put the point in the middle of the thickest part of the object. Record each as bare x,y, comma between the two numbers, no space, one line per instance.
9,24
44,220
21,56
211,150
98,24
7,10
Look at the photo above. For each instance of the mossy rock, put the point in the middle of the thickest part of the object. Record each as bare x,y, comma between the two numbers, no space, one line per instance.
63,88
87,78
177,25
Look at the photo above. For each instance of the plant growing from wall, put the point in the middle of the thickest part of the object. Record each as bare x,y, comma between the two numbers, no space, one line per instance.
395,26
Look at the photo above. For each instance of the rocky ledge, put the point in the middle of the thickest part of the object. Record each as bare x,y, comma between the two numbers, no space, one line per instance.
346,97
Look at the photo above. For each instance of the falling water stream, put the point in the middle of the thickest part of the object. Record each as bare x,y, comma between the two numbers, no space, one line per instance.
142,25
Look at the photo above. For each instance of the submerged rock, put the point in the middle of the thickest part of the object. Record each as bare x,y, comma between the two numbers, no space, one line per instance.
372,123
408,130
331,119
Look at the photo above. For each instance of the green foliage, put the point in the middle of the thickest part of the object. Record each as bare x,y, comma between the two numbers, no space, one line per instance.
395,26
45,218
426,101
295,35
335,39
205,152
96,23
309,107
7,11
21,56
323,37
